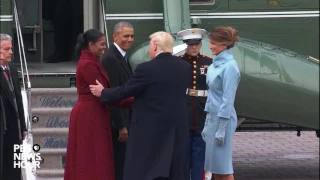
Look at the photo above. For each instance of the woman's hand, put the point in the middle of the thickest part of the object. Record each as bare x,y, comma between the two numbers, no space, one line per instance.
221,133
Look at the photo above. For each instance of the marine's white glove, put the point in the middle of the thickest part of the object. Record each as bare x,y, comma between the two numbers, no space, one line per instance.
221,133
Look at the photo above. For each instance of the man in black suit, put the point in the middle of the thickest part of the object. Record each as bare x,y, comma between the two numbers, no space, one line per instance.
2,131
158,144
14,114
115,63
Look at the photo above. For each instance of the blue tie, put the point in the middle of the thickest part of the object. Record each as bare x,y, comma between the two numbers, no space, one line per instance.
126,57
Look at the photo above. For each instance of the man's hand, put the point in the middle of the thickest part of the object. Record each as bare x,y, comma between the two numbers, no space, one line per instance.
24,135
96,89
123,134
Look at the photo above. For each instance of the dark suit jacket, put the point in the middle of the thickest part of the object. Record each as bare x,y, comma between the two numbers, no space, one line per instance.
2,131
8,101
12,115
119,72
158,141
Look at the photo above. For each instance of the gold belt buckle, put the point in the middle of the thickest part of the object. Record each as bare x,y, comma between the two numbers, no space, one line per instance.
193,92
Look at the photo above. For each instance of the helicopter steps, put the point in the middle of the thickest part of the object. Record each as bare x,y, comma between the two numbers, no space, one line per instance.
51,108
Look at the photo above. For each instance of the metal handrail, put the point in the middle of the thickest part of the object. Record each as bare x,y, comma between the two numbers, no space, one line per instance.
23,64
19,45
104,21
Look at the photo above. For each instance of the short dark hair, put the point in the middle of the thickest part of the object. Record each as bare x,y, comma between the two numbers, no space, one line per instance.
118,27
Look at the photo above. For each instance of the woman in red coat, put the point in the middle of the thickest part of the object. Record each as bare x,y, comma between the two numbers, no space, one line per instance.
89,152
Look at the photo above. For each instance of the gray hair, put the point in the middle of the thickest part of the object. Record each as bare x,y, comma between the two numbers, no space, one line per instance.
118,27
5,37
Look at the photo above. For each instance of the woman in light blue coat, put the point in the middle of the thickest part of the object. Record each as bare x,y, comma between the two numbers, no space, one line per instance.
223,77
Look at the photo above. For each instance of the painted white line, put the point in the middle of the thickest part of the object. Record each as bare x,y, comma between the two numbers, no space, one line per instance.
224,15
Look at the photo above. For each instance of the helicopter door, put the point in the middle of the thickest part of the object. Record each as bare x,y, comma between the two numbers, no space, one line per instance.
260,72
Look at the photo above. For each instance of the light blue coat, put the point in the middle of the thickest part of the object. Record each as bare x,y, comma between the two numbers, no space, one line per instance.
223,78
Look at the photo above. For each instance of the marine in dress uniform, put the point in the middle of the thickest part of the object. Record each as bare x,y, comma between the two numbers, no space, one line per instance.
197,96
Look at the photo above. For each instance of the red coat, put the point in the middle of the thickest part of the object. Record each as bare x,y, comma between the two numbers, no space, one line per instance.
89,152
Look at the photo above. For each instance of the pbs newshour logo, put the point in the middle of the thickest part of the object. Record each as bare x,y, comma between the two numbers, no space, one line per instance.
26,156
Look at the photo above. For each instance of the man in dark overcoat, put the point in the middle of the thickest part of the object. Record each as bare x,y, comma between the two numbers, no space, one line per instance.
10,91
158,141
2,132
115,63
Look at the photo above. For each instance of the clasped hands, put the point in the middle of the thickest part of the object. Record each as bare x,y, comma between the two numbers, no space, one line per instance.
96,89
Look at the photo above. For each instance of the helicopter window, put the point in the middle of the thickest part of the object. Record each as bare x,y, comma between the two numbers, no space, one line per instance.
199,2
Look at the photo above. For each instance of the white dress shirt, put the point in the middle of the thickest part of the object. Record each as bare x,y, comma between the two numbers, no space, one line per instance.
123,53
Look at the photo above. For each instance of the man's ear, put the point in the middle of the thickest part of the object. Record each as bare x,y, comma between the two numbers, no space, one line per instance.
114,36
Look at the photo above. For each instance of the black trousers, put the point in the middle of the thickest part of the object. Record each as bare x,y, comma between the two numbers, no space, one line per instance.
8,171
119,153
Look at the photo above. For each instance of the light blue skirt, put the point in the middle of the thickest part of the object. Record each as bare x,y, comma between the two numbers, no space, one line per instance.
218,159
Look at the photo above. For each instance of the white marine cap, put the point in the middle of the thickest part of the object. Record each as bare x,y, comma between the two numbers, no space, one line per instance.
191,36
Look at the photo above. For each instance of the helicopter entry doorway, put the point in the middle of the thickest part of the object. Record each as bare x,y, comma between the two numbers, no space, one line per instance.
50,29
62,24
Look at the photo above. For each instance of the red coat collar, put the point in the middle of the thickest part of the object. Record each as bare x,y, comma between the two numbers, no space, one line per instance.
88,55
